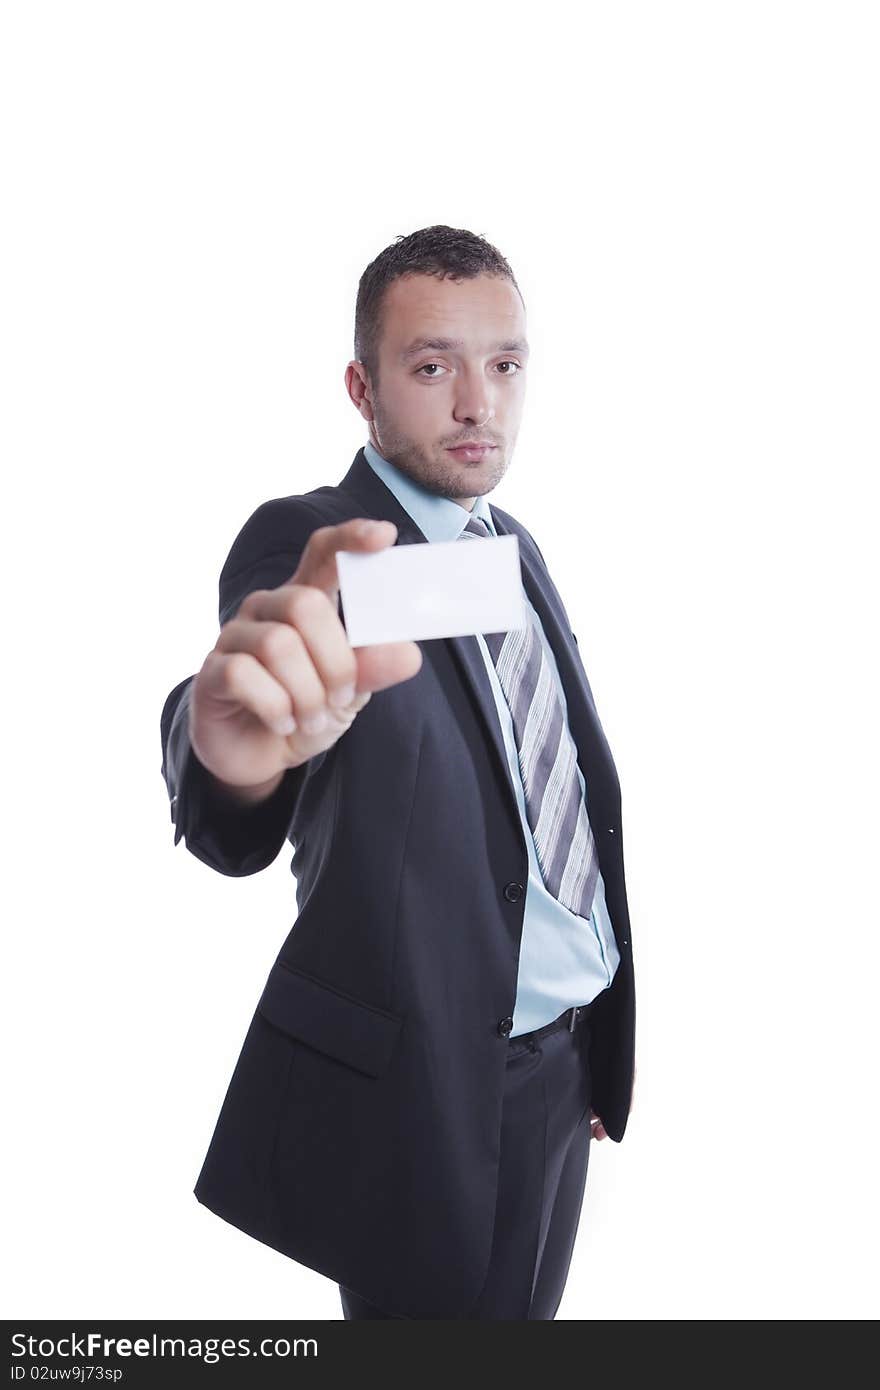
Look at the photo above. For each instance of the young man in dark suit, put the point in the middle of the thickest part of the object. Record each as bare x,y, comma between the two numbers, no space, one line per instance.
451,1019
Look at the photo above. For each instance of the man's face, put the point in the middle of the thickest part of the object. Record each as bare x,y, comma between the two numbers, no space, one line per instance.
452,371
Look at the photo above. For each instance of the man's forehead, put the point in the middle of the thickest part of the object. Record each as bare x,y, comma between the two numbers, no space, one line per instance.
431,294
423,312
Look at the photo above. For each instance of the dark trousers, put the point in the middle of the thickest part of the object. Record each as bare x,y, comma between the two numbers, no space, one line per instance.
545,1146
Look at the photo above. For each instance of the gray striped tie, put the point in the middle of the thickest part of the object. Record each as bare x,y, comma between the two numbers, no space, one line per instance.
555,807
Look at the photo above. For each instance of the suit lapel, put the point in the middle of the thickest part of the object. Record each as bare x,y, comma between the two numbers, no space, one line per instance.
594,754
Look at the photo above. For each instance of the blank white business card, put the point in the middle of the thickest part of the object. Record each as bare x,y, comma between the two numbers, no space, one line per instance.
431,589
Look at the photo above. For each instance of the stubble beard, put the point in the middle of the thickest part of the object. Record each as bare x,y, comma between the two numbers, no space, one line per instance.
440,476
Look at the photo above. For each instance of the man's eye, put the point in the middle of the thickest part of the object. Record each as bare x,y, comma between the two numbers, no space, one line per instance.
433,368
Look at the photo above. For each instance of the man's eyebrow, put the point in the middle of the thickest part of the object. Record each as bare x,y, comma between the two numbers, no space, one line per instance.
419,345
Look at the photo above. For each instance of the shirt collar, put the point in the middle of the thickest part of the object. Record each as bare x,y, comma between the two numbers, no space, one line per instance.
438,518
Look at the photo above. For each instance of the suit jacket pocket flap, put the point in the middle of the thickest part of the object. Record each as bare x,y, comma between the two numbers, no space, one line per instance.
353,1032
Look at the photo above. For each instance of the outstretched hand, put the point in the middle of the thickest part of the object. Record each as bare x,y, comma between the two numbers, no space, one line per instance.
282,682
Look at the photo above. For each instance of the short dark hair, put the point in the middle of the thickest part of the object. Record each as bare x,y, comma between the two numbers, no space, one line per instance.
439,250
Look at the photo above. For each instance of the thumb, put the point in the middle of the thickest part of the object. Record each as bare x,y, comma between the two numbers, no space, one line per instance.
317,565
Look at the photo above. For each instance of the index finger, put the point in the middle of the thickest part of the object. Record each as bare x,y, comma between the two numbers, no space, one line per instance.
317,565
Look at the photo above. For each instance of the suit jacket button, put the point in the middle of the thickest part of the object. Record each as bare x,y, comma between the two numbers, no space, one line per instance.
505,1026
513,892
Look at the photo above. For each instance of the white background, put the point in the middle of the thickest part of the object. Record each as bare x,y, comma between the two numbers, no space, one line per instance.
688,195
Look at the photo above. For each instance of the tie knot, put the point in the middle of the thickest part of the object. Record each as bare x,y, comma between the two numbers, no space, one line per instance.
476,527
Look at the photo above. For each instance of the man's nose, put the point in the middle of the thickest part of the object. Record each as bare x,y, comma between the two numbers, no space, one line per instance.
473,403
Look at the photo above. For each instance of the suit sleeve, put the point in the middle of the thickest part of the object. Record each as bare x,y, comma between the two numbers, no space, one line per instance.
238,840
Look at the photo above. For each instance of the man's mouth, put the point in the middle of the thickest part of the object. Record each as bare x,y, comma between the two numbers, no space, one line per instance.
471,453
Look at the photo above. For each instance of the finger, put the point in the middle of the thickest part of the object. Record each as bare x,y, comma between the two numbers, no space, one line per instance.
241,681
310,612
386,663
598,1130
286,653
318,564
279,625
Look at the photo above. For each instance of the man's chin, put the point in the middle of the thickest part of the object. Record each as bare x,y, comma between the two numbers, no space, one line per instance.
474,479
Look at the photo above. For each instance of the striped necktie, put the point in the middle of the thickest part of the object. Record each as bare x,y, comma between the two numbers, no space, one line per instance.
564,842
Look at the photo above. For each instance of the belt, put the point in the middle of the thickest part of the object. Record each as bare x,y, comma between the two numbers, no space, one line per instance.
569,1019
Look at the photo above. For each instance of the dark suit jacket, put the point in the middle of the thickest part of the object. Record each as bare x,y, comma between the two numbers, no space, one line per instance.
360,1130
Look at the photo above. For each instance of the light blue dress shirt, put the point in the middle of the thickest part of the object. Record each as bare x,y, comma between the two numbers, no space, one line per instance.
564,959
